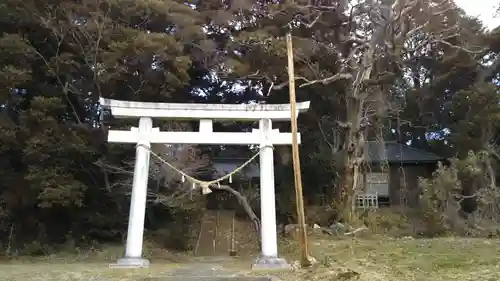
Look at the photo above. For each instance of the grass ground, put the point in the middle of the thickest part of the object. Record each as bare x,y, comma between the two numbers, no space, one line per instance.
454,259
405,259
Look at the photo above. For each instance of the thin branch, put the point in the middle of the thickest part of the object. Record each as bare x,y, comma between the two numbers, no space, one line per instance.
270,89
459,47
332,147
63,85
313,22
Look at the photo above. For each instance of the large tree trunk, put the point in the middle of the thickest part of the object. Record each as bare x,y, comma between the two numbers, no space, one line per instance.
350,173
353,149
345,194
352,158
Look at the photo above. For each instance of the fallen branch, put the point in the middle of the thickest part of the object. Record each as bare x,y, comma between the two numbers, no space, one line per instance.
460,47
355,231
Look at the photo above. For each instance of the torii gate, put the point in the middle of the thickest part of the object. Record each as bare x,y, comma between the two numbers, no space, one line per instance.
146,134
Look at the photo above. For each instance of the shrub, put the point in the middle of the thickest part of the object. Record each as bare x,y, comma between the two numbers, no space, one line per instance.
461,198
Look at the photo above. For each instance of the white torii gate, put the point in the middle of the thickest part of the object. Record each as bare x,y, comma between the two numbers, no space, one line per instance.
146,134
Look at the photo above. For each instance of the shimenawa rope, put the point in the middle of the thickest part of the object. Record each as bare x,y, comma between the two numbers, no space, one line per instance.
205,185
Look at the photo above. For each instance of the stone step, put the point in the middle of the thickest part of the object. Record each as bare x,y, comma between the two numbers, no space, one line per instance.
223,234
205,245
215,233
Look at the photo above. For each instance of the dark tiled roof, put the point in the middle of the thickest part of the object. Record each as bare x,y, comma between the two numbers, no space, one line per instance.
229,159
227,166
399,153
394,153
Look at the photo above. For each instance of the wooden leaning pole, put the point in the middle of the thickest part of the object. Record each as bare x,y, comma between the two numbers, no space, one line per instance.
305,260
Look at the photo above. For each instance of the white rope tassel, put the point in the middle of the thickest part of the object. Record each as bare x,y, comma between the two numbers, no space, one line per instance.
230,178
183,179
205,190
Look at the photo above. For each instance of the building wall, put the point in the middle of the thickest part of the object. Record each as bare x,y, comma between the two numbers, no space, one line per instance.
377,182
404,183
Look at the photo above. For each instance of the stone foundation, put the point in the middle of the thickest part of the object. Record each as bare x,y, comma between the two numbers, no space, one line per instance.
130,263
271,263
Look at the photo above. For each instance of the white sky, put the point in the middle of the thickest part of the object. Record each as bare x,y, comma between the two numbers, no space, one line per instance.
485,10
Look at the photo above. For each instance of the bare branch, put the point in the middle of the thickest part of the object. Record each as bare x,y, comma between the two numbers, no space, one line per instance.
313,22
319,7
284,84
332,147
328,80
438,13
270,89
459,47
65,86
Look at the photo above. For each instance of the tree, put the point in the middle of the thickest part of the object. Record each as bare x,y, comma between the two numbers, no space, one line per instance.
58,57
355,46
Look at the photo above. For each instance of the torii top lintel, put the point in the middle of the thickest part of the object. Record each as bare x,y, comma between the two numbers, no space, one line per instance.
129,109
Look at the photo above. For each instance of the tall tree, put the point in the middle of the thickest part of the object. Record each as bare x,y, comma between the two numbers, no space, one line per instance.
58,57
355,46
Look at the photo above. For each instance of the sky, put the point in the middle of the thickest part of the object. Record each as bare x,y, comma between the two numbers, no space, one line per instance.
485,10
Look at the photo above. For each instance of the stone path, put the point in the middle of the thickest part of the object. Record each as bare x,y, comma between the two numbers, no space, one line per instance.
202,269
215,230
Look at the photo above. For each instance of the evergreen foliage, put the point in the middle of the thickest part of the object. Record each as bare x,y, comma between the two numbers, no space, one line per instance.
61,180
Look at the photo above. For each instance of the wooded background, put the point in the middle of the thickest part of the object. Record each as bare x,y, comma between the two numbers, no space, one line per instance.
419,72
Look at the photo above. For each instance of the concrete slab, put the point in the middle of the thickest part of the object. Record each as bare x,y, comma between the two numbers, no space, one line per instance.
207,278
208,271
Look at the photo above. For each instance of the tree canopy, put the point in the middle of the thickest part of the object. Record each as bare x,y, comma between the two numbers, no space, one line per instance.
420,72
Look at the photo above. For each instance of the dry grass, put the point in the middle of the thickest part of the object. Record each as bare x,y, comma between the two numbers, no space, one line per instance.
404,259
348,259
89,265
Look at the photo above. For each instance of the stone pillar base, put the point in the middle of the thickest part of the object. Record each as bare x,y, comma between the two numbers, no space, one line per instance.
271,263
130,263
